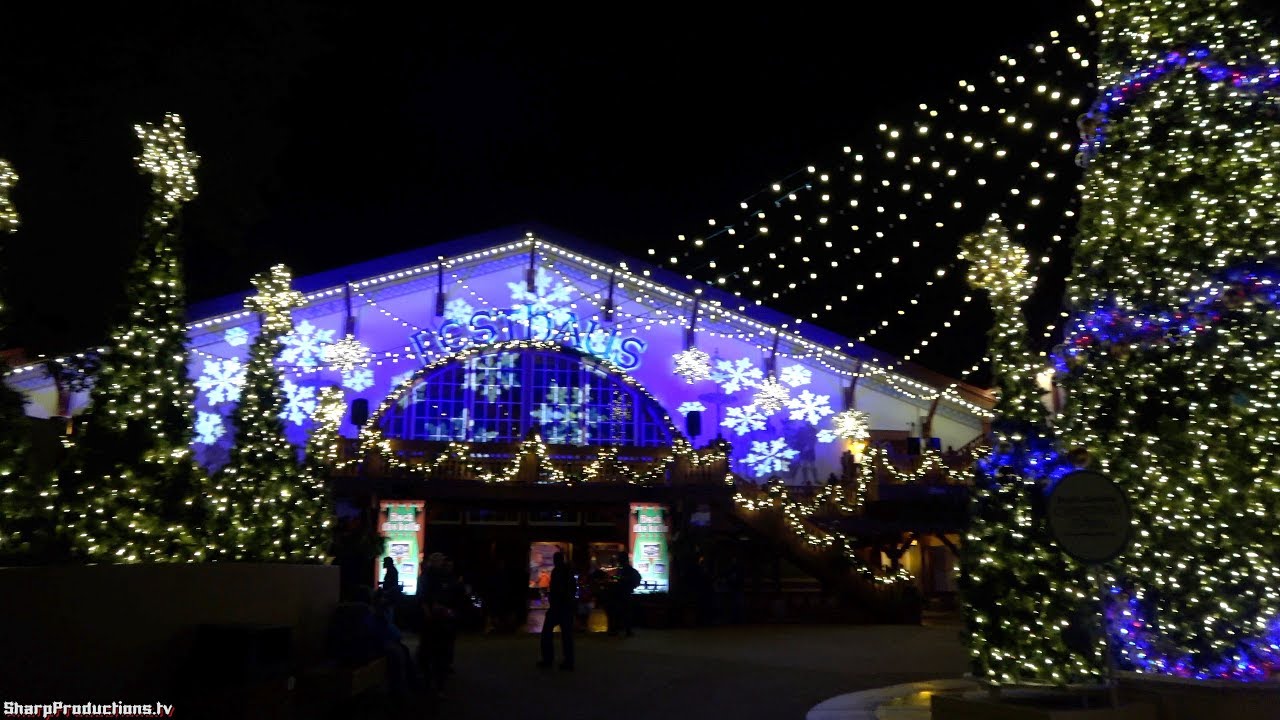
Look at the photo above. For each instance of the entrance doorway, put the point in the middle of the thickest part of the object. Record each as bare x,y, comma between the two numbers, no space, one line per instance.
541,562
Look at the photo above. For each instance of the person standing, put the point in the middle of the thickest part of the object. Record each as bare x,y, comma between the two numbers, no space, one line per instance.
391,581
628,581
560,611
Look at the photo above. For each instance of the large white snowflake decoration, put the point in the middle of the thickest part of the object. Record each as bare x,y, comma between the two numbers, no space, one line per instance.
562,416
236,336
300,402
492,375
458,310
744,419
809,407
346,355
769,456
772,395
222,380
733,375
796,375
852,425
548,297
358,379
693,365
208,427
693,406
305,345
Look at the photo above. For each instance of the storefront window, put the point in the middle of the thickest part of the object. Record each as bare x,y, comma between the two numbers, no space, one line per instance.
570,399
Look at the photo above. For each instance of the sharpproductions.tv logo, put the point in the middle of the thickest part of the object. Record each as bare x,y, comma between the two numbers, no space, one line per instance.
94,710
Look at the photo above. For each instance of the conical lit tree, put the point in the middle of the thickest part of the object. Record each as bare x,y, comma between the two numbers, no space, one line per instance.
1173,349
266,505
27,501
133,475
1024,600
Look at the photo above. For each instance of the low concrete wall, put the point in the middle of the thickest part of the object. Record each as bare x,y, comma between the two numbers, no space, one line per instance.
1179,699
124,632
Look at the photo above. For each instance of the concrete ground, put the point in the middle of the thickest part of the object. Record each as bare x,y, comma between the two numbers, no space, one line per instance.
771,671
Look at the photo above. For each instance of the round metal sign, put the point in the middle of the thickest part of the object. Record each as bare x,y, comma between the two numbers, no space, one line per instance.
1089,517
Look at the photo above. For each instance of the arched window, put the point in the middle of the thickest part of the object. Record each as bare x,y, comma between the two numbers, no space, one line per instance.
501,396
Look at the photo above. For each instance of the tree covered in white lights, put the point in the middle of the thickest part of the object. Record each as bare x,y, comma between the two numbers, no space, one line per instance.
1025,602
26,500
132,479
265,503
1172,352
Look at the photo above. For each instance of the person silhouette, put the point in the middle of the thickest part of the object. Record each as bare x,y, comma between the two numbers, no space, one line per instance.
560,611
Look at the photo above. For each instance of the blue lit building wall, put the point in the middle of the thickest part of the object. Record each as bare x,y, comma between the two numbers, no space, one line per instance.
525,289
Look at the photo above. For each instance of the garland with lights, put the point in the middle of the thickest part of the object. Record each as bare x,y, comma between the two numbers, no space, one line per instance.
1184,189
774,497
130,484
532,458
265,505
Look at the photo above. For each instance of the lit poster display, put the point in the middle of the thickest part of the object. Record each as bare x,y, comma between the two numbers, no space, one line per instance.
403,529
649,547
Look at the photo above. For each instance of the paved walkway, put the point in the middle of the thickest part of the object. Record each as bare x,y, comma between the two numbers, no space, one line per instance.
773,671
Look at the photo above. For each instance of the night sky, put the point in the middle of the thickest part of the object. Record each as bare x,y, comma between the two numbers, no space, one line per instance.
337,134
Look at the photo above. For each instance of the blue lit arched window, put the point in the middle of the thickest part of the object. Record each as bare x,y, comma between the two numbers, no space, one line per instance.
501,396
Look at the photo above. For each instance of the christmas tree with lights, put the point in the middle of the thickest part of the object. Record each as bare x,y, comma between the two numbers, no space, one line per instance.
265,504
132,478
1027,605
1171,350
26,501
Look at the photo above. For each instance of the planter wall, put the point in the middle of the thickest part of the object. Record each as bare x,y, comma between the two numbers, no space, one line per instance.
1178,699
126,632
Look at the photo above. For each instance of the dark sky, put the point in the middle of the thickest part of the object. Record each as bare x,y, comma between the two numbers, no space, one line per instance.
335,134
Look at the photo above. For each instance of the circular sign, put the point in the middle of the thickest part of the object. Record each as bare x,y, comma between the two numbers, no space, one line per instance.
1089,517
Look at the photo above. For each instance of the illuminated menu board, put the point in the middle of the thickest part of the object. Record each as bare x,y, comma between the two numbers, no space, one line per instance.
402,527
649,552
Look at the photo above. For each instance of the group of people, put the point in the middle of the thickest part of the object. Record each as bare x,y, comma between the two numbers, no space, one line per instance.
562,606
442,597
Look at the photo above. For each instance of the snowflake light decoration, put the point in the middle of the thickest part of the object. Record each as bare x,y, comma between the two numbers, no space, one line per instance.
221,380
827,436
771,396
172,167
547,298
304,346
458,310
358,379
276,301
733,376
300,402
236,336
693,365
809,407
744,419
796,375
769,456
692,406
208,428
852,425
346,355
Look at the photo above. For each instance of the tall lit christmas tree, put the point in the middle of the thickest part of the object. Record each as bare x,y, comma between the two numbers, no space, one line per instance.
1026,603
1173,349
26,501
133,476
266,505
